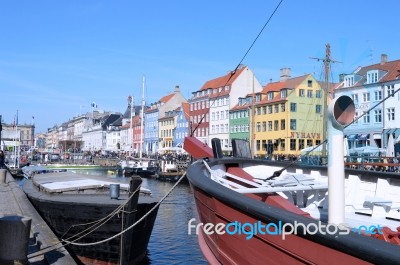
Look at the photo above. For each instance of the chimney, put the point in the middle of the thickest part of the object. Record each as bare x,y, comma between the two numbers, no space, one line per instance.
383,58
341,77
177,89
285,74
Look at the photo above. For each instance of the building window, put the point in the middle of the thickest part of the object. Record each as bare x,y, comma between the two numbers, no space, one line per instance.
293,107
349,81
309,93
276,108
318,108
378,115
270,126
301,92
292,124
372,77
355,98
378,95
283,93
258,111
282,145
270,95
366,118
292,144
301,144
269,109
258,142
366,97
390,90
318,93
264,126
283,125
283,108
390,113
264,110
276,125
309,83
258,127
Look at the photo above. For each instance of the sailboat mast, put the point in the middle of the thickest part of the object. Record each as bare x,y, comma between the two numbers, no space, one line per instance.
141,121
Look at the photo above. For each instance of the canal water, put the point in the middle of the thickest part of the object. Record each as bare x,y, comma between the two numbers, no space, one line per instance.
169,242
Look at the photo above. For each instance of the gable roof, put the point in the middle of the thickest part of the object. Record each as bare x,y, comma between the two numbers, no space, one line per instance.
289,83
391,68
222,81
166,98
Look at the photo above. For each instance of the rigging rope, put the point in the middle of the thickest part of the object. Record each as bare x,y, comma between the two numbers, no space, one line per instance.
238,65
96,224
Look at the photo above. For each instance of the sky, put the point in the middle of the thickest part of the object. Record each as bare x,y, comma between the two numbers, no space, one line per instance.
58,57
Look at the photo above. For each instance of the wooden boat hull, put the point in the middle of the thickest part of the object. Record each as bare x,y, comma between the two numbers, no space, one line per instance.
147,172
67,213
218,204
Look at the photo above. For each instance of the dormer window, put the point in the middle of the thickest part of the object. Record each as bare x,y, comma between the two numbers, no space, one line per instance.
258,97
283,93
215,91
372,77
270,95
226,88
349,81
198,94
220,89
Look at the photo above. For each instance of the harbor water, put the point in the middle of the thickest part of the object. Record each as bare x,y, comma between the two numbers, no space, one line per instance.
169,242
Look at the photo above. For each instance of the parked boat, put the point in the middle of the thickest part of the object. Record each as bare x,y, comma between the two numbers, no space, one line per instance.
31,170
172,170
84,211
144,167
267,212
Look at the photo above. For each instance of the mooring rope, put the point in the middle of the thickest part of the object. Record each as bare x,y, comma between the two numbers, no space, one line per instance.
66,242
96,224
134,224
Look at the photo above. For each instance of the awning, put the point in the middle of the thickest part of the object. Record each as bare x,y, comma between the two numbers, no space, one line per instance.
377,136
352,137
389,131
363,137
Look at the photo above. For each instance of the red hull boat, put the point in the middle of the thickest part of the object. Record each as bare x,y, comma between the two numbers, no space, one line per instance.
264,212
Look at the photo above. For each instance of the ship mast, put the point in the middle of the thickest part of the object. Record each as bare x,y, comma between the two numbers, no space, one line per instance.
327,64
141,121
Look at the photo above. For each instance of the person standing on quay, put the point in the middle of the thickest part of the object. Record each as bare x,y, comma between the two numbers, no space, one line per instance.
2,160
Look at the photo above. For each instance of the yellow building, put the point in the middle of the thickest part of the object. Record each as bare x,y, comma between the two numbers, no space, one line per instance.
166,127
288,116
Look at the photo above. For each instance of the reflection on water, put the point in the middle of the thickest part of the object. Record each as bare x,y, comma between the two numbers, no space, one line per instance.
169,242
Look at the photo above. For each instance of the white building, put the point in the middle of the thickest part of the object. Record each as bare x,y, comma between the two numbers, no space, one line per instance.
376,118
225,94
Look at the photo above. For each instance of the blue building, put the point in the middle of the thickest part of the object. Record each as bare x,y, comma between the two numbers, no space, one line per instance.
182,125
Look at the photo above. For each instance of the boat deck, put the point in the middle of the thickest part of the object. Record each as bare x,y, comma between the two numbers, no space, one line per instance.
69,187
